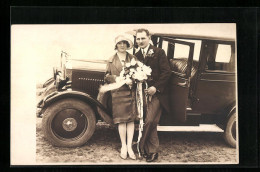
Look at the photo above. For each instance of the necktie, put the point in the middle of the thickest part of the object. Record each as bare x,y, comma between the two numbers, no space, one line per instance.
143,53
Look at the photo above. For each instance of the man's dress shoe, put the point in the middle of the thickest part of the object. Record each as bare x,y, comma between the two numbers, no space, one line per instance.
145,155
152,157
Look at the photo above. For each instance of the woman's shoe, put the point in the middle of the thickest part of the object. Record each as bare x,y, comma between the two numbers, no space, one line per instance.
131,154
123,153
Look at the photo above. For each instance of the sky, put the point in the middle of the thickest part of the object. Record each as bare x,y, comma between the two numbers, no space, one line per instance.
38,47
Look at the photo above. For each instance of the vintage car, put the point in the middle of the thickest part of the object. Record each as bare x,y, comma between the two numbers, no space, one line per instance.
203,90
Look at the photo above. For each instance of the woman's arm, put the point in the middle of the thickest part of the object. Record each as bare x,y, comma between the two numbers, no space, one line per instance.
109,78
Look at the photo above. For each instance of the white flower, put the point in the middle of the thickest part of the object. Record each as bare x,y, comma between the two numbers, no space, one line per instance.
140,75
127,76
128,81
132,70
137,76
133,62
144,77
150,52
127,65
139,69
140,63
147,70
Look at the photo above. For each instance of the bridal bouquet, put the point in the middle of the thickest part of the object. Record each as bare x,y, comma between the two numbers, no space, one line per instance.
134,72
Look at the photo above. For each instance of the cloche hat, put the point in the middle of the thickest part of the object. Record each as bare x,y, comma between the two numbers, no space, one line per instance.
120,38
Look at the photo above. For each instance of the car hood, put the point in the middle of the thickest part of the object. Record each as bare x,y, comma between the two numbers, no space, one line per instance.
93,65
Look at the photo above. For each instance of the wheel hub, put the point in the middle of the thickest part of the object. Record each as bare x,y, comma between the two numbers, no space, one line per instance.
69,124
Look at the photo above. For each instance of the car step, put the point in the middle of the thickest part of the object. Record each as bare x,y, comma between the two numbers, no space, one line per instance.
200,128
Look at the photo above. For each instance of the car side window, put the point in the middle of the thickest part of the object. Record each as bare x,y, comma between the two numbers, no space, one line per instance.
223,60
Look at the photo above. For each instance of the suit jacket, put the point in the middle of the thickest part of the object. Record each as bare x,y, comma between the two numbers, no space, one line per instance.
114,67
161,73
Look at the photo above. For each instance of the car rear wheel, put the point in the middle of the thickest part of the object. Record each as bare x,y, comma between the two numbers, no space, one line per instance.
230,134
68,123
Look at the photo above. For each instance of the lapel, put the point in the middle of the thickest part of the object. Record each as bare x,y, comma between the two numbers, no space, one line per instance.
128,57
116,63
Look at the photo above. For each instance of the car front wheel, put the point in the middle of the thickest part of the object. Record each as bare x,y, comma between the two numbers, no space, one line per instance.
230,134
68,123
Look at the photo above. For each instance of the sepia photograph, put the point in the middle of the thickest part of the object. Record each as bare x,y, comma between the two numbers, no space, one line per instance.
127,94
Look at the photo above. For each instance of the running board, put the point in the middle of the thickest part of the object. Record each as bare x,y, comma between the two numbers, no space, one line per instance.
200,128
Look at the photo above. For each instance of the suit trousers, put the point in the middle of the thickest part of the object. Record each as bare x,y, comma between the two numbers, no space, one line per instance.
149,141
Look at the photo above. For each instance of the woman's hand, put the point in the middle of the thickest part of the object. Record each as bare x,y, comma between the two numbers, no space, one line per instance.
110,78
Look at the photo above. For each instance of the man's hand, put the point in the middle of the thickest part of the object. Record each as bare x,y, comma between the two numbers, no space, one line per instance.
150,91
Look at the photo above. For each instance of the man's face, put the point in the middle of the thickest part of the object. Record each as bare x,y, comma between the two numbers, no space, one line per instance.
142,39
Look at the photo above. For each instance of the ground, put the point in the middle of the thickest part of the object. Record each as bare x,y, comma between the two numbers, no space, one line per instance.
104,146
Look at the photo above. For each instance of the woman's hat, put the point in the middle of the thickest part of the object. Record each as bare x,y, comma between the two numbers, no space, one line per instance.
120,38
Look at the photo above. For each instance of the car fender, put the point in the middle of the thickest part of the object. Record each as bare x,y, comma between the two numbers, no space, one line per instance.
229,112
56,96
225,115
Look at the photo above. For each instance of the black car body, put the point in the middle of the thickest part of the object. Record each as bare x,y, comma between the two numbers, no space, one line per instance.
203,90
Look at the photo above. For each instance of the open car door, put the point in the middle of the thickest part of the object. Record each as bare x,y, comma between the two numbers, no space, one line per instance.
180,55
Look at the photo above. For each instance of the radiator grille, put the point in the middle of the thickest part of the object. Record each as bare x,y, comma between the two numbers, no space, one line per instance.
87,81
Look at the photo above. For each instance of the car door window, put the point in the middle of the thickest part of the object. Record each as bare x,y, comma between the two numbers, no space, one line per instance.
181,51
224,60
223,54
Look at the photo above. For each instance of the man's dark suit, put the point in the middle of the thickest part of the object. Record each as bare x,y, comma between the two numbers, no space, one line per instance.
160,77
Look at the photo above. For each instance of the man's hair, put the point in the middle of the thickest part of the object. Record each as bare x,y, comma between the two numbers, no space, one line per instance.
127,44
143,30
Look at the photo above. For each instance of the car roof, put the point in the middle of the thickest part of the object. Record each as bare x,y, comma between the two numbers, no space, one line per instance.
188,36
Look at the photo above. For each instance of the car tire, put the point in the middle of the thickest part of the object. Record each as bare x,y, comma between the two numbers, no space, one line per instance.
230,133
68,123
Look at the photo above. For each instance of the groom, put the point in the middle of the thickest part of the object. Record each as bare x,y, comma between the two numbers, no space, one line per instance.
157,88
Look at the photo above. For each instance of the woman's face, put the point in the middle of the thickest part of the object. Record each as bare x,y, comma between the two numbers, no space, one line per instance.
121,46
